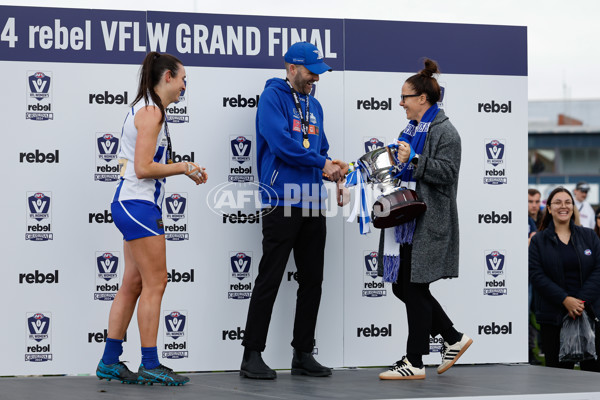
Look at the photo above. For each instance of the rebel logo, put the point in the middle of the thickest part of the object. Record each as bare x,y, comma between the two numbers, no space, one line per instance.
108,98
494,107
240,266
241,218
240,101
184,277
495,329
374,331
375,105
234,334
100,337
39,157
373,144
183,157
104,217
494,218
39,277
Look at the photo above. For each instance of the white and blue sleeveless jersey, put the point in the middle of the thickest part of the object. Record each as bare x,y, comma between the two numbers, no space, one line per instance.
129,187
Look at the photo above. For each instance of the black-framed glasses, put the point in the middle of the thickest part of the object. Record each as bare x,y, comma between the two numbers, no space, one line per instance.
405,96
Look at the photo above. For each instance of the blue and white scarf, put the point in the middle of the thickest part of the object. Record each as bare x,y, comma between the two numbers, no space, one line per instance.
414,134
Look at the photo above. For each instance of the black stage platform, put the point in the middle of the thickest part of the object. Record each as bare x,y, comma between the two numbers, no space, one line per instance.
498,382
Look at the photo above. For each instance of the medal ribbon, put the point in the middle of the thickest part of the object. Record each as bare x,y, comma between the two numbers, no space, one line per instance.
304,121
169,148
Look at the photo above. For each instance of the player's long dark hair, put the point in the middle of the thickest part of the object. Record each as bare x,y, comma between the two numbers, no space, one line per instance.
152,70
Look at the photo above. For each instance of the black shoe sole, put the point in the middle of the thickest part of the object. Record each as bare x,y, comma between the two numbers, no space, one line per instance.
253,375
299,371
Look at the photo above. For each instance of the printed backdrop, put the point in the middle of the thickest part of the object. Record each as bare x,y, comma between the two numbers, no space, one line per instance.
71,74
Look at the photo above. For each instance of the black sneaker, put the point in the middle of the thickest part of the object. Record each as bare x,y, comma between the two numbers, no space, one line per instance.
254,367
162,375
305,364
117,371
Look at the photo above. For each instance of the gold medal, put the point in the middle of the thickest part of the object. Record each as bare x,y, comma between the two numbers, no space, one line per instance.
306,143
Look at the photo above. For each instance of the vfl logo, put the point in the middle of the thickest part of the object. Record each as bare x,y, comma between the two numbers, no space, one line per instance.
240,266
372,144
38,326
175,324
495,263
494,151
39,85
107,146
240,148
107,265
318,53
39,204
371,264
176,206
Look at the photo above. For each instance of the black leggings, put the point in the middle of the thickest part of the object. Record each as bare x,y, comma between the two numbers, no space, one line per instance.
425,315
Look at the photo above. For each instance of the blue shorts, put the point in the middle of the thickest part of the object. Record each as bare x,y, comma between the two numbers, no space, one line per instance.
137,218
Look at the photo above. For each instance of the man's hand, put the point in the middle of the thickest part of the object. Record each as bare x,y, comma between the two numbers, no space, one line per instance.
332,171
343,165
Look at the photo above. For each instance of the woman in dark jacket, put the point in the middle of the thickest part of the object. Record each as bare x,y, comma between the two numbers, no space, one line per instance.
564,270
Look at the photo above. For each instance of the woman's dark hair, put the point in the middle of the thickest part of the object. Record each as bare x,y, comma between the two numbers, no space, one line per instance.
152,69
424,82
547,217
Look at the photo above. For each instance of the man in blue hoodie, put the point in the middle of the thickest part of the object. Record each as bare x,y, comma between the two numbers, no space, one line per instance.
291,160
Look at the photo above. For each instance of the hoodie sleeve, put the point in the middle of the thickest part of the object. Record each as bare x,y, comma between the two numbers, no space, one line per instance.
274,126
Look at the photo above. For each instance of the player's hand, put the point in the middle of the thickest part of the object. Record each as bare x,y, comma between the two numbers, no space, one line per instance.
195,172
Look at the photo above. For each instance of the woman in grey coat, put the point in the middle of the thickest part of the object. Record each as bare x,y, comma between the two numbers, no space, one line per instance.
419,253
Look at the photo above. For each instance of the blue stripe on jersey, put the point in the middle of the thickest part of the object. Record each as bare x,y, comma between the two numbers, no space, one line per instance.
157,186
159,154
118,191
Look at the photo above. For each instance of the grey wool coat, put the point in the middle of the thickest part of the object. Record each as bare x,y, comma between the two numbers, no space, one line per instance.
436,239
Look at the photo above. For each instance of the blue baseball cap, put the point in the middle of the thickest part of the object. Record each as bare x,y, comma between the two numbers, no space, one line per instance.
307,54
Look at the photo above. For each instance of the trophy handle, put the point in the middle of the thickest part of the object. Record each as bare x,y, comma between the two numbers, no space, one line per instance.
391,156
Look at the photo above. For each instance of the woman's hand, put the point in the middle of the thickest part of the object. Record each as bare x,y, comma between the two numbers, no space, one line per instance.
343,194
403,151
574,306
195,172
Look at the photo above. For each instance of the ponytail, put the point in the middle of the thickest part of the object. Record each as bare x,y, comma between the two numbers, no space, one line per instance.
151,71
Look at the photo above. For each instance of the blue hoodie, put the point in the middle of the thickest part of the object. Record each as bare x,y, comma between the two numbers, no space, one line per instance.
281,157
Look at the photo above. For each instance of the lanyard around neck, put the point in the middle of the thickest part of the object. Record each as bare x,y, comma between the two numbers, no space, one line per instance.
169,148
304,120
